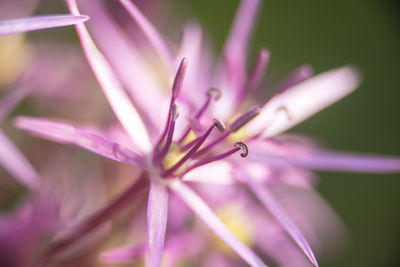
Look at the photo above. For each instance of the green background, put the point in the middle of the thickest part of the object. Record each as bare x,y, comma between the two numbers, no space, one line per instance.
327,34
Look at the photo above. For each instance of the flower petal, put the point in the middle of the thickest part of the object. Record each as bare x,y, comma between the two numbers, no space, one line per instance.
326,160
207,216
150,32
64,133
121,254
218,172
268,200
12,99
157,215
112,88
303,100
39,23
16,164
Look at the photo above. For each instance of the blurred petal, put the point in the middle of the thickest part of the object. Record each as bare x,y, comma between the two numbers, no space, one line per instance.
112,88
218,172
126,253
12,99
326,160
268,200
151,33
213,222
303,100
157,215
39,23
16,164
64,133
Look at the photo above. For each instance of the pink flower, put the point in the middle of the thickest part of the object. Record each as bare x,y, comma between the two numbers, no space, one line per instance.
161,143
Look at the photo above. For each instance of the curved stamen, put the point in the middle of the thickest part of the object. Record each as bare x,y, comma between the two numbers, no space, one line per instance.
216,124
235,126
212,94
244,147
238,146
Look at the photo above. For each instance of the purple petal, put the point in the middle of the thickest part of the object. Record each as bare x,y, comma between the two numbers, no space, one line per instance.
121,254
303,100
268,200
119,100
335,161
39,23
213,222
157,215
150,32
64,133
12,99
16,164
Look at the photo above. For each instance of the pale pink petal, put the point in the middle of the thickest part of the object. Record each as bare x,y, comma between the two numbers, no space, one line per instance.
212,221
269,201
121,254
133,66
303,100
12,99
65,133
151,33
16,164
326,160
157,215
236,46
218,172
39,23
112,88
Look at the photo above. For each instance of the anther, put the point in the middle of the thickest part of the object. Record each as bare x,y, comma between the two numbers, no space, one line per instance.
214,92
245,118
174,111
243,146
180,74
219,125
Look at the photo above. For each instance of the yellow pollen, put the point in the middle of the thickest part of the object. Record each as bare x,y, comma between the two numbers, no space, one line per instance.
239,135
189,138
238,222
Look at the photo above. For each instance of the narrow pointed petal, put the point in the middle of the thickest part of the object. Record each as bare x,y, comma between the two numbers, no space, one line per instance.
12,99
16,164
157,214
119,100
238,40
64,133
303,100
214,223
122,254
39,23
150,31
325,160
268,200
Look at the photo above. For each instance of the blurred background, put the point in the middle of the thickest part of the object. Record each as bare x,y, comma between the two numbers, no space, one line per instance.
324,34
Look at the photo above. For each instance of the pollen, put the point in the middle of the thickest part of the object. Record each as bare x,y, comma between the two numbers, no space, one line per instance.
239,135
189,138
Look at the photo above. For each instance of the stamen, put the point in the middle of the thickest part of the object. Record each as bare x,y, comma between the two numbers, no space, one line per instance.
164,150
245,118
238,146
285,110
236,125
219,125
212,94
178,81
244,147
216,124
176,88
